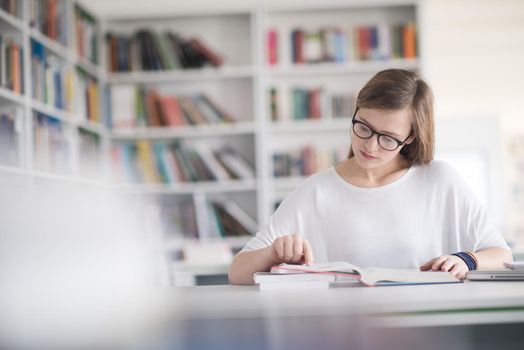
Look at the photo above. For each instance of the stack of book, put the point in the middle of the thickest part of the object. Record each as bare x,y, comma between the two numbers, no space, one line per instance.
11,65
305,161
86,35
334,44
9,137
147,50
51,148
133,106
50,18
13,7
309,103
178,162
294,281
52,80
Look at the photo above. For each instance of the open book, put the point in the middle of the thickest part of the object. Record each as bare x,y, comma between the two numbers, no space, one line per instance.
372,276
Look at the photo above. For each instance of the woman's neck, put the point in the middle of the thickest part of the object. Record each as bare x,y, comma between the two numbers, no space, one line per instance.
358,176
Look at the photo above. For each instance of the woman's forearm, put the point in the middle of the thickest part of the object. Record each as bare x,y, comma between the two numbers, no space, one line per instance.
492,258
245,264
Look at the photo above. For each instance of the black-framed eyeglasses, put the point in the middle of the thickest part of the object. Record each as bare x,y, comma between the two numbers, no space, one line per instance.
364,131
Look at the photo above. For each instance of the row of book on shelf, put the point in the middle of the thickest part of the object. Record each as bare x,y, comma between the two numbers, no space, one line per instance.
309,103
205,218
63,86
86,35
52,147
10,125
148,50
11,64
51,19
13,7
51,144
133,106
306,160
335,44
161,162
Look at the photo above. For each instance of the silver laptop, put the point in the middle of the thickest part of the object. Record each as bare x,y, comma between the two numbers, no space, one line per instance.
495,275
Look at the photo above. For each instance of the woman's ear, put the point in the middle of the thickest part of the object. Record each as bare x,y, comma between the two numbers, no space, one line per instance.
410,140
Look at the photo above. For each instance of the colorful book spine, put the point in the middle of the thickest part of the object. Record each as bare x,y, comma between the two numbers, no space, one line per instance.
333,44
311,103
50,17
13,7
178,162
147,50
51,79
86,35
305,161
133,106
51,147
272,47
220,218
11,65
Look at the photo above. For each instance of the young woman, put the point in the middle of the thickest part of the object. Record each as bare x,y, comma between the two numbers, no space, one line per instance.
388,205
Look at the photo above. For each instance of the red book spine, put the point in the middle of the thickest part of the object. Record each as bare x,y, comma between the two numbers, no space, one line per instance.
364,41
299,44
52,19
314,100
272,46
408,36
171,111
80,37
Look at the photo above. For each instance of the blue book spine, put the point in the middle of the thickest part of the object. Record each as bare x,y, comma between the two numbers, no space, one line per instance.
373,41
58,90
340,46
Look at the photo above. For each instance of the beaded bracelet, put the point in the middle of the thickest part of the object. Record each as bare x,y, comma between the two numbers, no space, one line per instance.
468,259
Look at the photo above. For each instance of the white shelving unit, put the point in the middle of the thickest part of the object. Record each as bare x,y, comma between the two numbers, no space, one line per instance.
21,30
234,86
186,75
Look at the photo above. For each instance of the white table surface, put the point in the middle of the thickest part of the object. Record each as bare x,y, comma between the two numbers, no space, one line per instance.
438,304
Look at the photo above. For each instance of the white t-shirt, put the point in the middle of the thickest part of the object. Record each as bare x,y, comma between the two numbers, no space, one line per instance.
428,212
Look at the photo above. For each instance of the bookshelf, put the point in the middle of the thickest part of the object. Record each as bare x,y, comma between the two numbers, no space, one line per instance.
183,207
53,128
241,86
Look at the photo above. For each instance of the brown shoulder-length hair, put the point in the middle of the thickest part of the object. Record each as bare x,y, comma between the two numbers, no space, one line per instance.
397,89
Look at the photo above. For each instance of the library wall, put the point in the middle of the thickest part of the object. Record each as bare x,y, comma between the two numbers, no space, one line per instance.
473,54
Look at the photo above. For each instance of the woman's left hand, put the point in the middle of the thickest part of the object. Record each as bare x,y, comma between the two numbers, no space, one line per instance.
450,263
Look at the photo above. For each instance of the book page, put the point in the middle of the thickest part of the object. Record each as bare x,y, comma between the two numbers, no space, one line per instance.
329,267
374,276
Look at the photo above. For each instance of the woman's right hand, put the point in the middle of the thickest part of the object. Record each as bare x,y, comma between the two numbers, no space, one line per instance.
293,249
